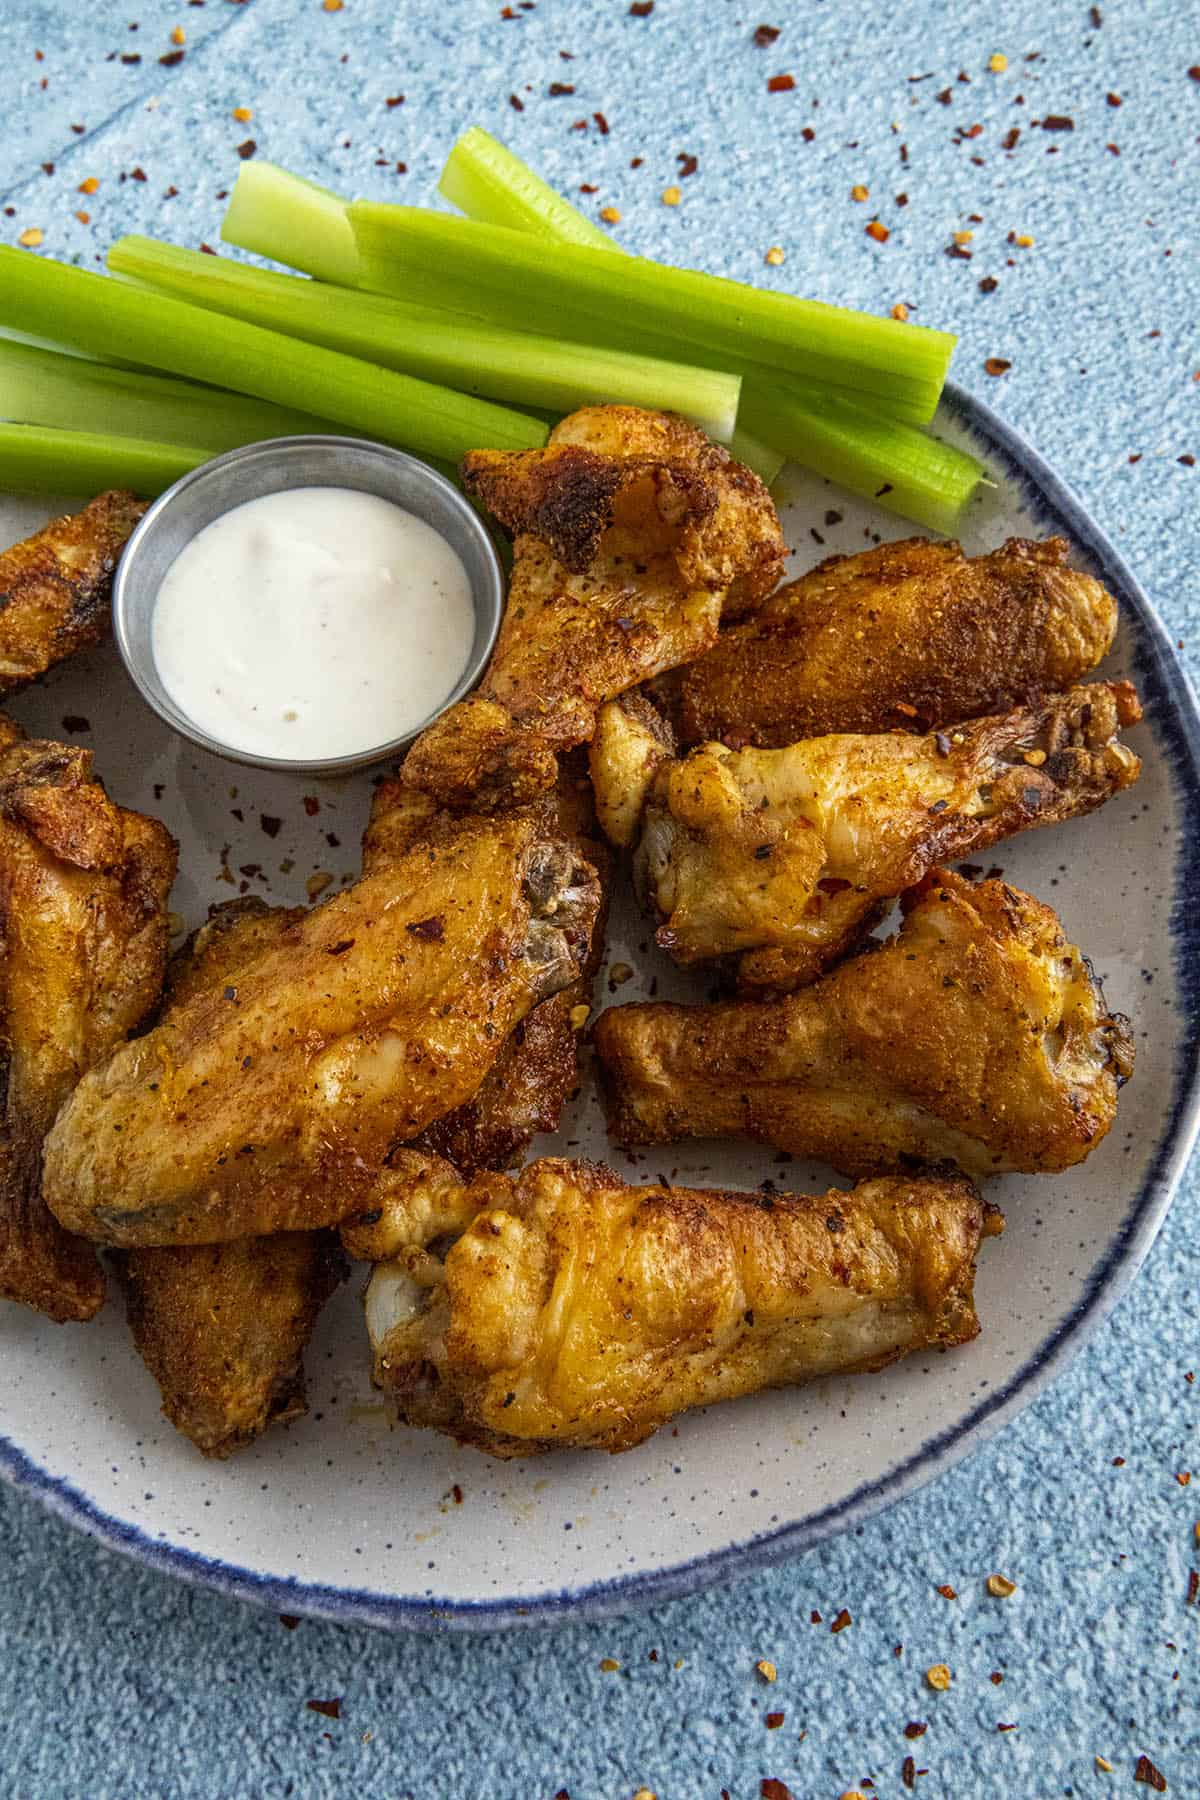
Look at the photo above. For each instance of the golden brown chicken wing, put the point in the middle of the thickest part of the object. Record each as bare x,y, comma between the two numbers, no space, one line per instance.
270,1102
633,532
790,855
976,1035
83,945
575,1311
223,1327
54,587
908,633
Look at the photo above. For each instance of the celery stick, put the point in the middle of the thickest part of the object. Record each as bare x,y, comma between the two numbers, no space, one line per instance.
403,250
108,318
884,460
38,459
476,357
48,387
294,221
763,458
486,181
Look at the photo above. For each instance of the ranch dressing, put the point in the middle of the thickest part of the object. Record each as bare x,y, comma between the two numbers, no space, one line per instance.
313,623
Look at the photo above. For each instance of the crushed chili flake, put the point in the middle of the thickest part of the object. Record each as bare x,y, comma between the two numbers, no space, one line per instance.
944,97
641,9
88,186
773,1721
131,60
1193,1587
878,231
770,1788
908,1772
947,1592
1057,122
433,930
243,114
31,237
1194,71
560,87
588,187
516,104
814,1617
330,1709
1187,459
1011,138
394,100
601,124
988,285
958,252
916,1728
47,168
808,134
1183,1477
246,150
332,5
137,174
688,164
781,84
765,35
85,218
996,365
1096,16
843,1619
172,59
1006,1728
289,1621
995,1678
1152,1777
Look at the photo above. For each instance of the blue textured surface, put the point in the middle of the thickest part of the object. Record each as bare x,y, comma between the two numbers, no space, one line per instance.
122,1683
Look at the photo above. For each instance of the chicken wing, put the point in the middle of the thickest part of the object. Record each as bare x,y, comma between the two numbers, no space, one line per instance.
54,587
791,855
223,1327
633,533
976,1035
912,632
574,1311
269,1103
83,945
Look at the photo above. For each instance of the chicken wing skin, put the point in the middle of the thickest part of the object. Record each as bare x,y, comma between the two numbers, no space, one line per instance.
54,587
223,1327
83,946
977,1035
911,632
632,534
788,855
574,1311
270,1102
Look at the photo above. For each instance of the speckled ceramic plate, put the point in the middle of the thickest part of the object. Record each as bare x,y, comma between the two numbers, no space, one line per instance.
342,1516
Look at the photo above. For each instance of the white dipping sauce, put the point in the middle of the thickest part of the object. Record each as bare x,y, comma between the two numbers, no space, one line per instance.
313,623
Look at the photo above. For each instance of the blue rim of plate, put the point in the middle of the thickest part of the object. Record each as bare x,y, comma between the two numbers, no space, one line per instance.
1169,699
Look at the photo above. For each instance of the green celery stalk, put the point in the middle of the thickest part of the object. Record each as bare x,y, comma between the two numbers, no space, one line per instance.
762,457
884,460
486,181
293,221
48,387
40,459
475,357
109,318
403,250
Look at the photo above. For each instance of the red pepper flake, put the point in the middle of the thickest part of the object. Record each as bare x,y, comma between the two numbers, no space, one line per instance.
47,168
1097,18
246,150
997,365
1057,122
995,1678
814,1617
765,35
172,59
1187,459
1193,1587
79,130
808,134
641,9
270,825
1118,1462
687,164
988,285
431,930
908,1772
781,84
137,174
1194,71
129,60
560,87
1152,1777
517,105
916,1728
773,1721
843,1619
394,100
959,252
588,187
944,97
329,1709
1113,99
1011,138
772,1789
338,949
1183,1477
947,1592
289,1621
878,231
1113,149
601,124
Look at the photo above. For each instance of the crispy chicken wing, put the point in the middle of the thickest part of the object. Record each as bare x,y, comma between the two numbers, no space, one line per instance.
575,1311
790,855
633,532
83,945
976,1035
270,1102
911,632
54,587
223,1327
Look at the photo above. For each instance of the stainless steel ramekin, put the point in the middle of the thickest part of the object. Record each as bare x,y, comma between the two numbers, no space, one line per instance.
267,468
